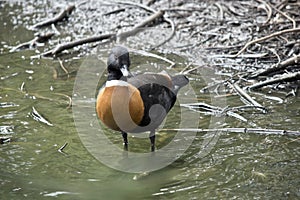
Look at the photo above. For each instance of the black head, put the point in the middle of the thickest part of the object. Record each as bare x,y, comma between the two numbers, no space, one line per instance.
118,63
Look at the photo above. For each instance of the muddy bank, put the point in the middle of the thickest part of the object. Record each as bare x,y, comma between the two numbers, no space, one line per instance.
244,40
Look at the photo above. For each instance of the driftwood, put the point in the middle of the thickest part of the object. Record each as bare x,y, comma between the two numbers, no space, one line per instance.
281,79
111,36
136,29
40,38
149,9
64,46
241,130
59,17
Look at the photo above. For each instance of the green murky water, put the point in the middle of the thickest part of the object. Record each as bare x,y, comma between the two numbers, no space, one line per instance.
237,166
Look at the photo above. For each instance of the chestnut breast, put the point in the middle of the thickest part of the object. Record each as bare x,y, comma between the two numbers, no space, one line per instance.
120,106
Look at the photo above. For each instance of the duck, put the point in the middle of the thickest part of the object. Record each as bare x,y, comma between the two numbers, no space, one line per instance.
135,104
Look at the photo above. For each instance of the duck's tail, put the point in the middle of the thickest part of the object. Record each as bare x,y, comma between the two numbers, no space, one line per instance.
178,82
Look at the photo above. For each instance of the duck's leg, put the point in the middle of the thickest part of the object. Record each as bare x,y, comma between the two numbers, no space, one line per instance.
152,140
125,141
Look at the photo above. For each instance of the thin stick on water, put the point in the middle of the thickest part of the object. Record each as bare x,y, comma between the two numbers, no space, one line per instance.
61,149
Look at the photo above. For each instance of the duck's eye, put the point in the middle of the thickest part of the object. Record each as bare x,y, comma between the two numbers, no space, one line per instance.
116,57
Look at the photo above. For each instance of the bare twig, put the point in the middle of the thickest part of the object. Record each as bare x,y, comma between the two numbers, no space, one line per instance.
5,139
275,53
241,130
36,116
147,8
111,36
221,10
150,2
144,53
253,55
59,17
193,69
61,47
61,149
55,29
40,38
61,64
275,68
140,26
185,68
22,86
283,78
213,110
114,11
265,38
268,9
68,97
285,15
170,36
246,96
81,3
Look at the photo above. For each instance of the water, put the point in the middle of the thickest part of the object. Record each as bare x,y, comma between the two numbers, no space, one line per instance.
238,166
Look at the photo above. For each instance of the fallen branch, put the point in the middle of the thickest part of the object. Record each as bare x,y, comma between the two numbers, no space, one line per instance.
59,17
265,38
113,36
283,78
149,9
275,68
247,97
40,38
141,25
61,47
241,130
